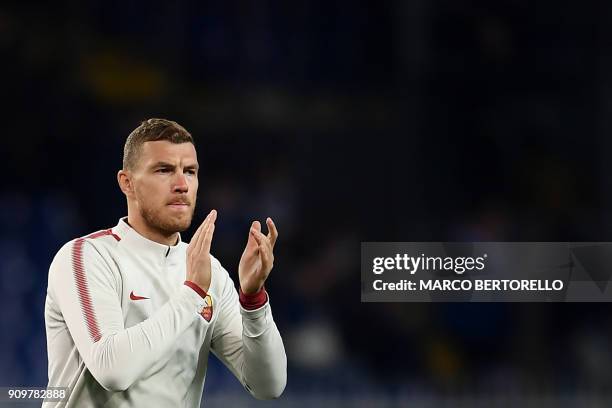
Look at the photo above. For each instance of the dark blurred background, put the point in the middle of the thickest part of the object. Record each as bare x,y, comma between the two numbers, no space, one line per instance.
346,121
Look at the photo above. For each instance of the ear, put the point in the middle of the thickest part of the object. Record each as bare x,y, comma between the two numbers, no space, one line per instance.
125,182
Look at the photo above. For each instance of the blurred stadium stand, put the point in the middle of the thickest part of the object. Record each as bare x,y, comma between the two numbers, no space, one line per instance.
346,121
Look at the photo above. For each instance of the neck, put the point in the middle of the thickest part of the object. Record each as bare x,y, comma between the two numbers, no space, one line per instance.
153,234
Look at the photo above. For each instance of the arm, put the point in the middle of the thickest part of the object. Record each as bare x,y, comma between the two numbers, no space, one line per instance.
248,341
88,294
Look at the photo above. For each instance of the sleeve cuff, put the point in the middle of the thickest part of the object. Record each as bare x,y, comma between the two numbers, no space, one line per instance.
196,288
254,301
191,298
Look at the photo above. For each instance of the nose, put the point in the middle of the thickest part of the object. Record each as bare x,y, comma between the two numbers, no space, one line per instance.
180,184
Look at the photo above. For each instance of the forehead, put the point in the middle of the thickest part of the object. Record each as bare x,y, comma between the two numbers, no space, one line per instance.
165,151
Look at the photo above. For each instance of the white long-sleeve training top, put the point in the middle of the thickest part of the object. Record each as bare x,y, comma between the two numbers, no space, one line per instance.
124,329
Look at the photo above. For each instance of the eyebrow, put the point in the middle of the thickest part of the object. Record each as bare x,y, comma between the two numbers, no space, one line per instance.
170,165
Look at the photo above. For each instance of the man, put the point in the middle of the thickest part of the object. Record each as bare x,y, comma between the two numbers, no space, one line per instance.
132,312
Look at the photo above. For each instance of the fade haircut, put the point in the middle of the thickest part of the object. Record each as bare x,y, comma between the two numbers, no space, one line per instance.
152,130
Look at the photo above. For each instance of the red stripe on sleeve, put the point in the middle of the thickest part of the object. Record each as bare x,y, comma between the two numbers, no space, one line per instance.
104,233
80,278
83,290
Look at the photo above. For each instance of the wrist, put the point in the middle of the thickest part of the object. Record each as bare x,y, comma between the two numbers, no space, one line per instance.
254,300
250,291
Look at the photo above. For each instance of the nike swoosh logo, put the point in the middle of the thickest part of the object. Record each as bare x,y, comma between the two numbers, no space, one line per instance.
135,297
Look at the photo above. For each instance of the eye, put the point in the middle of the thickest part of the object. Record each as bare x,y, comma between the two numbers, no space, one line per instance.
163,170
190,171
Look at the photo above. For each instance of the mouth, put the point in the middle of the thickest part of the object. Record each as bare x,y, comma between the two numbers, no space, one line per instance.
179,205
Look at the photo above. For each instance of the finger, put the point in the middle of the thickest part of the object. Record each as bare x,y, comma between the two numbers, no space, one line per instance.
265,255
257,235
196,236
272,231
208,232
204,227
251,242
262,240
208,238
256,225
265,252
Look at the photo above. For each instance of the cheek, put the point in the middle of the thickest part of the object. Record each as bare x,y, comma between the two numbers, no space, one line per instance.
193,188
148,193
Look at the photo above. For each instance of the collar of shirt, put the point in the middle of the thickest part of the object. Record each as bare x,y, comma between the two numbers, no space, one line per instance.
134,241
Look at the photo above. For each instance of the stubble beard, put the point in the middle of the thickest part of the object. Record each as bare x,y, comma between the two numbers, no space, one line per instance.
165,224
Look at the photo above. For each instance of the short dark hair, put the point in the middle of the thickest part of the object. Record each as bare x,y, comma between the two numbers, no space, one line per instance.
151,130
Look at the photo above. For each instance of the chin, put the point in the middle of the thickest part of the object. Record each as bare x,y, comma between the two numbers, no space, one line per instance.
182,226
168,223
177,224
171,227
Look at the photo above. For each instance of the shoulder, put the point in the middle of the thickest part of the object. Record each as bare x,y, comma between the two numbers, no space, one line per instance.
102,237
75,248
91,249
